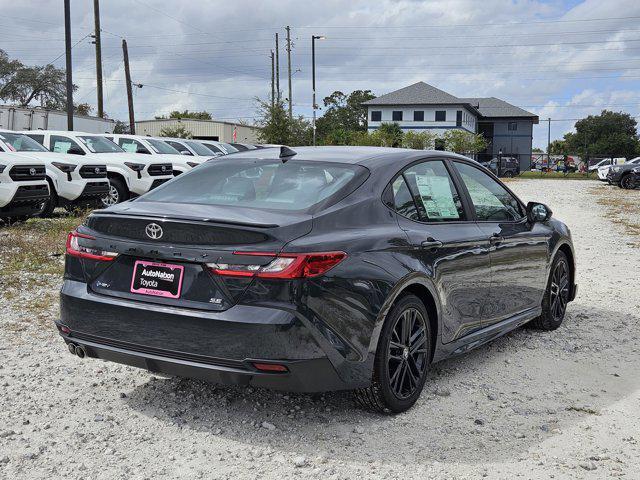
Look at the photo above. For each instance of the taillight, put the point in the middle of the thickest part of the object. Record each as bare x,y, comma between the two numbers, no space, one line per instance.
284,265
75,249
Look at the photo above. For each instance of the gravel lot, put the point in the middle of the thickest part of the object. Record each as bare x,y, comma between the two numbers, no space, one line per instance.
530,405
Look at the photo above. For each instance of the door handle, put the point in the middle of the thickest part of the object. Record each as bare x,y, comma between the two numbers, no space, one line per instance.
495,239
431,243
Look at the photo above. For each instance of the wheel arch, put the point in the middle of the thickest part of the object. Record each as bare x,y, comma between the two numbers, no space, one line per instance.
423,288
119,176
568,251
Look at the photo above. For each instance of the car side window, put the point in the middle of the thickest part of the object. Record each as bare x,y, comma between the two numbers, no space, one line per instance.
435,194
491,200
181,148
62,144
131,146
402,199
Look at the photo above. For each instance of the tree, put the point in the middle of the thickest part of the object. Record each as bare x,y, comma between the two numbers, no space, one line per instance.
557,147
82,109
343,115
278,128
610,133
121,128
536,150
463,142
8,70
419,140
187,114
390,134
47,83
178,132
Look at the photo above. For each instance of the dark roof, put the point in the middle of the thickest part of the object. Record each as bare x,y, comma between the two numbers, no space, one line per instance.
339,154
424,94
417,93
494,107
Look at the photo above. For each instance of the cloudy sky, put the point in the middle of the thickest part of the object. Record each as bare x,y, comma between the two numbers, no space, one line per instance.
558,59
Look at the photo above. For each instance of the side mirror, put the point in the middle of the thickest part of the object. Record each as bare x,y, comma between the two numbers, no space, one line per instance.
75,151
185,152
538,212
141,149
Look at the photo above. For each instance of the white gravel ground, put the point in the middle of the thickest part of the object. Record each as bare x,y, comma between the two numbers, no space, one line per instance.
531,405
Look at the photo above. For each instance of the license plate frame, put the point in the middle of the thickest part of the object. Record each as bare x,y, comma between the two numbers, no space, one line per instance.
158,281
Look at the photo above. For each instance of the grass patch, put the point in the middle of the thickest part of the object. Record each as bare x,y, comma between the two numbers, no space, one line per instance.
37,245
558,175
623,208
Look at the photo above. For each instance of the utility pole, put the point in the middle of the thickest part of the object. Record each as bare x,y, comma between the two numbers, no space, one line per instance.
127,74
549,138
273,86
97,41
277,70
313,81
289,67
67,46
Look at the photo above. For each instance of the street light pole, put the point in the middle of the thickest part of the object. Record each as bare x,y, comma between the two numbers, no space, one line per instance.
313,77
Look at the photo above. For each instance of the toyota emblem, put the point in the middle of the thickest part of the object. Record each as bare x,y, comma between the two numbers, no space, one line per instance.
97,170
32,171
164,169
154,231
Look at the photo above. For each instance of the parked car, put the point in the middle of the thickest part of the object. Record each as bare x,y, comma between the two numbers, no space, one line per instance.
23,186
503,166
191,148
634,180
152,146
603,171
219,148
333,268
602,163
74,182
129,174
243,147
621,174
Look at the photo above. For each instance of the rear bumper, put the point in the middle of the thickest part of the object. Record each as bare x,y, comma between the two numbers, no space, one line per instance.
220,347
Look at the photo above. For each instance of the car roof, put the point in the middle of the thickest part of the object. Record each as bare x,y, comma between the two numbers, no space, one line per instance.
366,156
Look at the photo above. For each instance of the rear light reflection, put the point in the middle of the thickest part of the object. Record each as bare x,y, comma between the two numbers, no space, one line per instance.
284,266
75,249
270,367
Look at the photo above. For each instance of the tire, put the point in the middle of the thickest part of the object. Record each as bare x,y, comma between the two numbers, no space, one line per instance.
118,193
626,182
508,174
50,205
556,296
399,375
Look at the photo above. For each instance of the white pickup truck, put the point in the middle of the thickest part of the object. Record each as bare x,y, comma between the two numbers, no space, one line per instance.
129,174
23,186
74,181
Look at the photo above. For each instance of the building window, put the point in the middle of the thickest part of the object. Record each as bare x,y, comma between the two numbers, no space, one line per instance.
441,115
459,118
513,126
376,116
418,116
396,116
439,144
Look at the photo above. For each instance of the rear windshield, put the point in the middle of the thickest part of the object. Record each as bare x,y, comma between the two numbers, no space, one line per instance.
22,143
100,145
266,184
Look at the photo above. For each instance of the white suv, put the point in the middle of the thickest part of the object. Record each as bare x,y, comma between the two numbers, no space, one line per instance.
23,186
73,180
151,146
129,174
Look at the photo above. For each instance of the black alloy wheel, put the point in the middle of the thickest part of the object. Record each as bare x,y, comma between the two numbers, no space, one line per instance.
407,353
626,182
402,359
554,303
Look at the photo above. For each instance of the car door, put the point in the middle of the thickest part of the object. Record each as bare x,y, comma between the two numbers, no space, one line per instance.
447,245
519,249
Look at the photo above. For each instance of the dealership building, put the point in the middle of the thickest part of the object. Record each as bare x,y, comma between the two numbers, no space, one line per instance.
508,129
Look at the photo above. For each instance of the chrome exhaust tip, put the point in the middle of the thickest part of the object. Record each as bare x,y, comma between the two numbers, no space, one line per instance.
80,351
72,348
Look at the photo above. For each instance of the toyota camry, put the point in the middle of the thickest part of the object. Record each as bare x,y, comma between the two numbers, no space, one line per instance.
315,269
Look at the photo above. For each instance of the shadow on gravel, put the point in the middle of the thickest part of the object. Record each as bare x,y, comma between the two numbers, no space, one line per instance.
492,404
